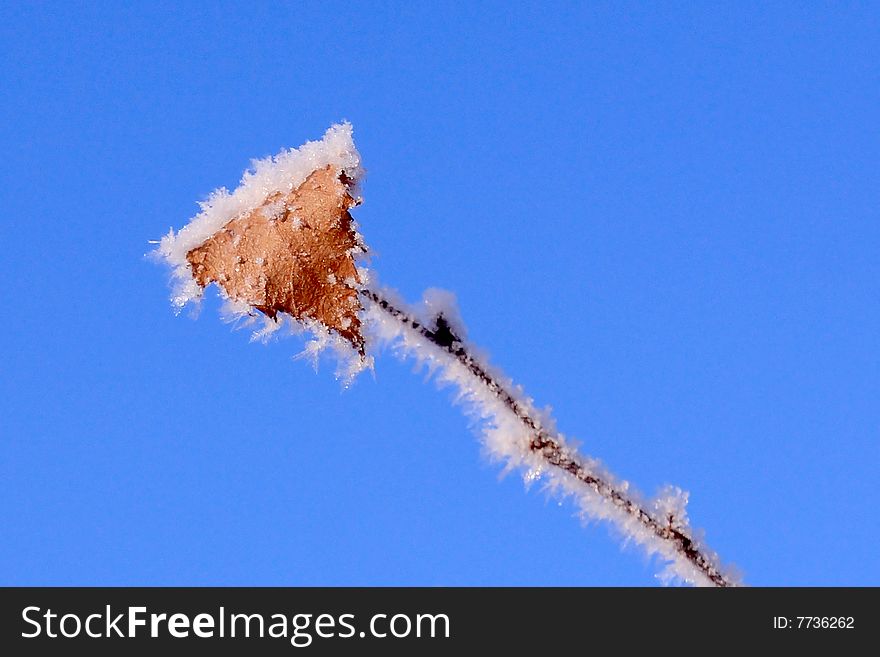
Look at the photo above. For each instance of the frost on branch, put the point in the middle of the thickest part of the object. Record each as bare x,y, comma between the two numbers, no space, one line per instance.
525,438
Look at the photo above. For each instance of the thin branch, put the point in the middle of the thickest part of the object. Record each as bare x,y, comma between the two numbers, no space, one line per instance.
548,447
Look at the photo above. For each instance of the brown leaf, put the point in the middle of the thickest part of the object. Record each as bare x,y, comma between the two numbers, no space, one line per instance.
293,254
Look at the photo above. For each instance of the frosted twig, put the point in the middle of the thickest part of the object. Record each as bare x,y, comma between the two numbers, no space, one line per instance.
675,539
284,245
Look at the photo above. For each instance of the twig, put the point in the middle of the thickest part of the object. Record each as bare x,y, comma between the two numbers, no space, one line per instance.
548,447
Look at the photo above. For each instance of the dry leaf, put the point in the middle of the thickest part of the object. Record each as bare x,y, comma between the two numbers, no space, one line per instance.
293,254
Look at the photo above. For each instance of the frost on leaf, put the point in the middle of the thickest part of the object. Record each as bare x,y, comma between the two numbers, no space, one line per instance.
294,254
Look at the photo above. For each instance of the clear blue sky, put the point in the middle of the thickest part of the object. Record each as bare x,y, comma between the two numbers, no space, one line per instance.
662,220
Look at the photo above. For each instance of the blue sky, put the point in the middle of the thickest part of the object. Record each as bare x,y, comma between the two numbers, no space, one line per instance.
660,219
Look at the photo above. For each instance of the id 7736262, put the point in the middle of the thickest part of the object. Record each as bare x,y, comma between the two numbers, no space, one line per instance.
814,622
